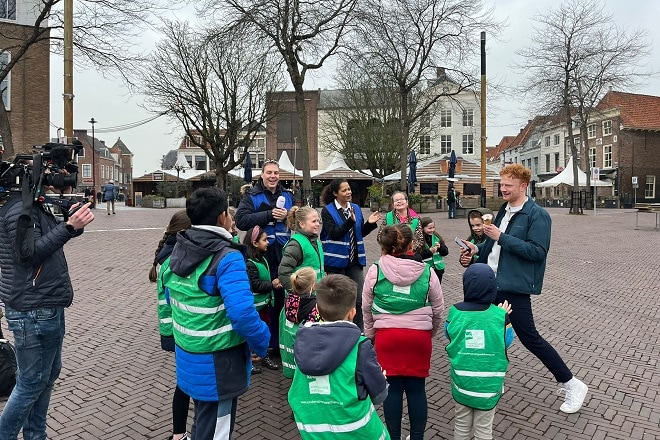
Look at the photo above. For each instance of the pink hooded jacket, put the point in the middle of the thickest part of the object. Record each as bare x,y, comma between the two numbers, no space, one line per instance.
402,272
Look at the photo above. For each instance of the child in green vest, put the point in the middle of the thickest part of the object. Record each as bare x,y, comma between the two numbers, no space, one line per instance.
337,379
435,247
256,243
479,334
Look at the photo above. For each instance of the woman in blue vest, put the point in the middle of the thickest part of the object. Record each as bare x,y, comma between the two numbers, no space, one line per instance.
401,213
343,229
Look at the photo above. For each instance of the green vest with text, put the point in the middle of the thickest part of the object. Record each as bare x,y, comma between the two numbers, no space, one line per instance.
164,309
477,354
199,320
390,298
261,300
328,407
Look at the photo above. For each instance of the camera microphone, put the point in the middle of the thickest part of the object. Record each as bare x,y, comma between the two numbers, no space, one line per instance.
280,202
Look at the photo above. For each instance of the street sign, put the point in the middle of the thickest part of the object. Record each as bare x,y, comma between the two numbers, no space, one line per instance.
157,175
595,173
635,183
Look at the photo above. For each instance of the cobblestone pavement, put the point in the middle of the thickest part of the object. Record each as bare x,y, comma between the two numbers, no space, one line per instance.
599,308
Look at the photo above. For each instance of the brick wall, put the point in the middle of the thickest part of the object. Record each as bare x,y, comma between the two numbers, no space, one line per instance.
30,90
639,156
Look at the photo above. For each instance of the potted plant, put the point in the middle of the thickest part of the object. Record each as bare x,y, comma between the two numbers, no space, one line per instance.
375,196
415,201
429,203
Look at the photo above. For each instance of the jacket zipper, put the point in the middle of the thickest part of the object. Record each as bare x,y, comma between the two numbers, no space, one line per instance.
34,280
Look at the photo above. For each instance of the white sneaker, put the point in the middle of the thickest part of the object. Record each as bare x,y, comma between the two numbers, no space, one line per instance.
576,391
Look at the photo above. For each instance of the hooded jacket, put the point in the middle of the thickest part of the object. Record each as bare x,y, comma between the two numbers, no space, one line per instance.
473,238
402,271
321,347
221,374
44,280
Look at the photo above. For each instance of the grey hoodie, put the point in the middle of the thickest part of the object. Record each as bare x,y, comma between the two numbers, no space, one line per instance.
321,347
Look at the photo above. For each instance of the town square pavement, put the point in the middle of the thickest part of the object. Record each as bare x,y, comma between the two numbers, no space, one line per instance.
599,308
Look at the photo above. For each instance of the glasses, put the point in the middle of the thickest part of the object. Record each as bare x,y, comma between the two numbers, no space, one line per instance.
398,200
270,161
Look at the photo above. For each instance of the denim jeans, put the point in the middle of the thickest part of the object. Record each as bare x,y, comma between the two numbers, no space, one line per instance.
38,336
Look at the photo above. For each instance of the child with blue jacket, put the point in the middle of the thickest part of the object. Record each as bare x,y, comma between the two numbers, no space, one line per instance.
479,334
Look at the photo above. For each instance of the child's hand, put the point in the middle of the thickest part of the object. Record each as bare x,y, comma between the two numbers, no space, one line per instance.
506,306
384,373
277,284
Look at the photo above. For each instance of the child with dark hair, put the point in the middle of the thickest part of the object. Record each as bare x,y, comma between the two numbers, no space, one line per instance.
180,400
435,247
256,244
337,378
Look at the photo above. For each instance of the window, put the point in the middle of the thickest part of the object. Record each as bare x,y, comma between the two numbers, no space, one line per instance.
87,170
468,144
445,144
556,139
200,162
607,128
82,153
607,156
468,117
591,131
547,141
425,121
529,163
5,85
189,160
577,144
547,163
649,187
445,118
536,165
425,145
556,160
8,9
258,160
592,157
428,188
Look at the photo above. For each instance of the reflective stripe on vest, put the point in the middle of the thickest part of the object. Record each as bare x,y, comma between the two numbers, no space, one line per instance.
336,252
328,407
390,298
435,260
477,354
274,230
199,320
261,300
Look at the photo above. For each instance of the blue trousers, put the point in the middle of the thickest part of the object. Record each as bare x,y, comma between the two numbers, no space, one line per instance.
38,336
415,389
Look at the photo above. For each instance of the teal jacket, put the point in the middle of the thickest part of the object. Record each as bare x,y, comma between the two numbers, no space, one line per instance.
525,245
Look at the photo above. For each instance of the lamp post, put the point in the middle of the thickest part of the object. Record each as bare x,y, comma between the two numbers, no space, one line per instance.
180,165
93,122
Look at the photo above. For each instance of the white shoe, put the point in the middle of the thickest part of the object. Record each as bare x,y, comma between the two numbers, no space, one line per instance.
576,391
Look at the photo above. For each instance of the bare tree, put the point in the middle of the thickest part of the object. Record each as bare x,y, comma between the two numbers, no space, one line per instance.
104,34
406,39
215,87
305,34
362,120
576,53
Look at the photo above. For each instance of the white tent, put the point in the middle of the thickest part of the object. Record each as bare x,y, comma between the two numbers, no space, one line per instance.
566,177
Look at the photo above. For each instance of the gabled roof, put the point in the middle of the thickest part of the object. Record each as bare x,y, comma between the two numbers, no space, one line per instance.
505,142
431,170
640,112
338,169
122,147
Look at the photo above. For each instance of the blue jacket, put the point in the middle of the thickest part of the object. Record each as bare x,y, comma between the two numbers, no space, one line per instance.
223,374
524,249
336,237
109,191
256,208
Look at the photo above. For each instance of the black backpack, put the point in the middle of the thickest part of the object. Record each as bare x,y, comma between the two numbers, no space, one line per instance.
7,367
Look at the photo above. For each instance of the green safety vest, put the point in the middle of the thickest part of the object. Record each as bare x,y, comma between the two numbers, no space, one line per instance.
199,320
287,333
328,407
391,219
164,309
312,257
435,260
389,298
477,354
261,300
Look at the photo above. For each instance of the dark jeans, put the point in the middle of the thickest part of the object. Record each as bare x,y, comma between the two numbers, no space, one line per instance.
522,321
452,209
355,272
38,337
415,389
214,420
180,406
274,257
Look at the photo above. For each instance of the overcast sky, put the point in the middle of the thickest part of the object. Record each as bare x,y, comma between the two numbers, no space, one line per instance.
110,104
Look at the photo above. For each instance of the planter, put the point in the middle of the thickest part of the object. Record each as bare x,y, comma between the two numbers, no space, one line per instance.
153,203
374,206
179,202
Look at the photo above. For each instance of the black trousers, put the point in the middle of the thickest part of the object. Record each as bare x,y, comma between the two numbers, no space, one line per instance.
355,272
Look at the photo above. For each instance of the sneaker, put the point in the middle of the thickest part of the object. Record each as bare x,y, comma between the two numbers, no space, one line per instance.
185,437
256,370
576,391
269,363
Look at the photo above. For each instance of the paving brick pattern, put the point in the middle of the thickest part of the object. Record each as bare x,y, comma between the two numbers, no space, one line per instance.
599,308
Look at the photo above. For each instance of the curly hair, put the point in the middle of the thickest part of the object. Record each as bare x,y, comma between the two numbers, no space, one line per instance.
517,171
328,193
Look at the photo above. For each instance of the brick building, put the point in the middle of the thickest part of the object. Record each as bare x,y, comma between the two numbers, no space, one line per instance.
26,90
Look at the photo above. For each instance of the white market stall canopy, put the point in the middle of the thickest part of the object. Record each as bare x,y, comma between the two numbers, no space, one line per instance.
566,178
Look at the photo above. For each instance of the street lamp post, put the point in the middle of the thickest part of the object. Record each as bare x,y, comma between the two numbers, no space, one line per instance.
180,165
93,122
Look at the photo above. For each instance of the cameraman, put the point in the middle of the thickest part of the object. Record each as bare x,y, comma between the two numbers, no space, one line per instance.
35,288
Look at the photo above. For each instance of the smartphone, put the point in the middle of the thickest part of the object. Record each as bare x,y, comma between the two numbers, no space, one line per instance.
461,244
